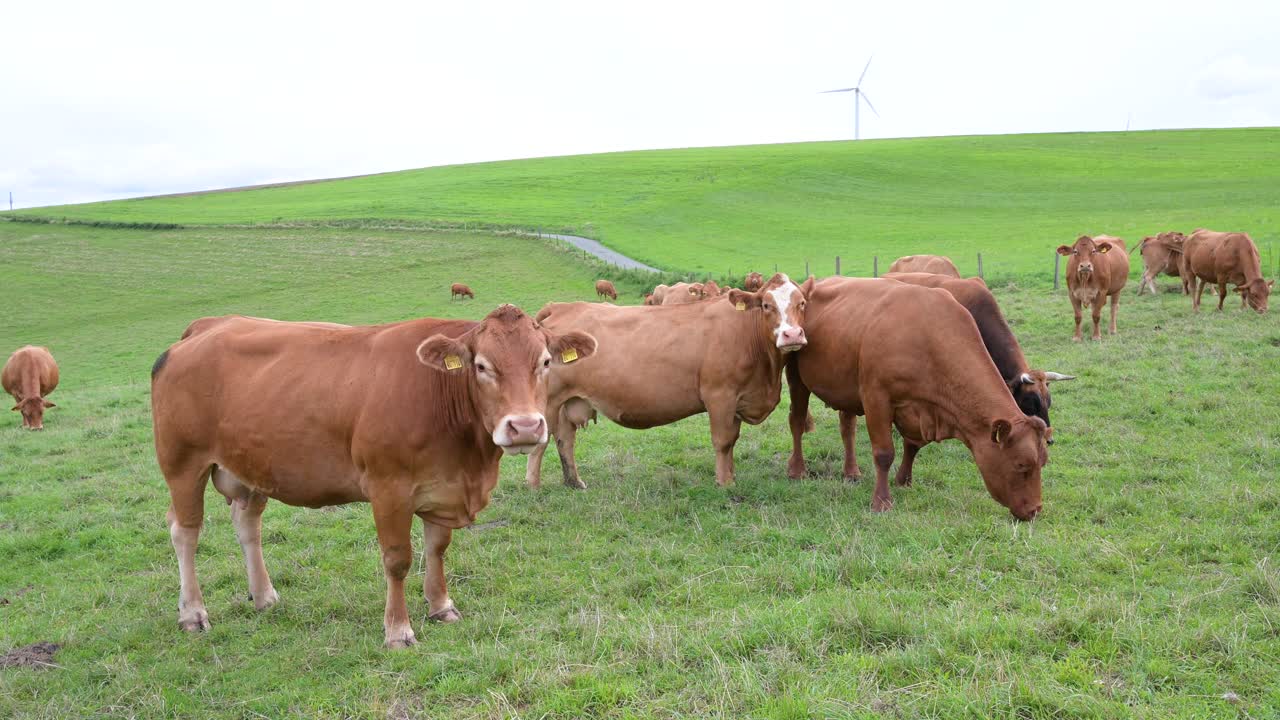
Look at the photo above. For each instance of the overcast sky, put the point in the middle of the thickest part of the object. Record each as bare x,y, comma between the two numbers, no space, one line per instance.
105,100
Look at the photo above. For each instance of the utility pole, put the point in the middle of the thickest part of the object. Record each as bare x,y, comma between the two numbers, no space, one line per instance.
10,199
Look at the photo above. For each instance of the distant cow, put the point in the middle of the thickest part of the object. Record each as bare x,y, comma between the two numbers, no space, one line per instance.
459,290
1097,269
753,282
604,288
649,299
1162,254
411,417
936,264
711,290
657,365
682,293
1221,258
29,376
911,357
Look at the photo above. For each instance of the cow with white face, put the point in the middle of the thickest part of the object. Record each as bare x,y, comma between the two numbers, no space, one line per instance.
660,364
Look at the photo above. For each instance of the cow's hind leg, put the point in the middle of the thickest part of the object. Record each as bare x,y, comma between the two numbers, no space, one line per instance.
1222,293
909,450
246,515
879,412
725,428
798,420
439,607
393,517
574,414
1115,302
187,482
849,436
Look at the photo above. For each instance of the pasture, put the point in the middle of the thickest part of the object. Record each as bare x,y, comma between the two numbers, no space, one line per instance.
1013,198
1149,587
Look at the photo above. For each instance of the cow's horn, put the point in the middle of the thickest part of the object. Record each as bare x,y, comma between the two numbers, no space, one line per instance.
1051,376
1026,379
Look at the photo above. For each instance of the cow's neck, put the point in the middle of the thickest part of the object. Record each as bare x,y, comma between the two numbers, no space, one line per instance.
29,383
969,404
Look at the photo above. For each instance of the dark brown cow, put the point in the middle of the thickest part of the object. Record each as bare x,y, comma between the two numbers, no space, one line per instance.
29,376
911,357
1097,269
1162,254
648,373
1221,258
411,417
936,264
604,288
682,293
753,282
459,290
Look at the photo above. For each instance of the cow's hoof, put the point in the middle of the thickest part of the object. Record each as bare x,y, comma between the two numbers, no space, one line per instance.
194,620
797,472
904,482
881,504
575,483
1075,339
269,598
853,478
447,615
400,640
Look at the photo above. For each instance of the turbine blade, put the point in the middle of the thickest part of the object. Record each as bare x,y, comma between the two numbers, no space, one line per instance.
824,92
864,71
868,100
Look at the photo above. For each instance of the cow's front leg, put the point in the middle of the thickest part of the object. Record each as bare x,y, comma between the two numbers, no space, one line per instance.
1115,302
725,427
393,517
797,420
1075,307
439,607
1095,312
879,412
848,436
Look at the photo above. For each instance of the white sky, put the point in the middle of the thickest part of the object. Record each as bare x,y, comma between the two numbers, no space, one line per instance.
101,100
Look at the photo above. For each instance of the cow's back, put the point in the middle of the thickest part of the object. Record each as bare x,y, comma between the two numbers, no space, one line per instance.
935,264
1208,252
26,362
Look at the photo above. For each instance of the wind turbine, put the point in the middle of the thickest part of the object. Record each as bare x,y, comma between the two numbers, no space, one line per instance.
859,97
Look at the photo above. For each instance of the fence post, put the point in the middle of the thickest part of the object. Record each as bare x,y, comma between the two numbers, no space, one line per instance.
875,266
775,268
837,265
980,267
806,268
1057,261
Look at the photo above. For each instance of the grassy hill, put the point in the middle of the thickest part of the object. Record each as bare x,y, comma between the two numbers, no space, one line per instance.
1012,198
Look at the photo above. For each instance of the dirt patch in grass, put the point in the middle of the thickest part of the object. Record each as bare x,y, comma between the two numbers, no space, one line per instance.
39,655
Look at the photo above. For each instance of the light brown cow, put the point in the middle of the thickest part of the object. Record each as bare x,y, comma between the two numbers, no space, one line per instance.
459,290
936,264
753,282
1221,258
1162,253
911,357
1097,269
650,300
29,376
604,288
711,290
682,293
411,417
648,373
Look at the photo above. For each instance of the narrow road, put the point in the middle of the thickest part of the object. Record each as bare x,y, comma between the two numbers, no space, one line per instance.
600,251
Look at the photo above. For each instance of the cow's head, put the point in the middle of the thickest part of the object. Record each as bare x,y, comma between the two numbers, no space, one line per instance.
710,289
1031,391
505,361
781,306
1010,459
1256,293
648,299
753,282
32,410
1084,254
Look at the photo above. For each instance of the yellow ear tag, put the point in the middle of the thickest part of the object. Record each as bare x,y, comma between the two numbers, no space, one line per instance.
742,307
1104,250
452,362
569,355
997,437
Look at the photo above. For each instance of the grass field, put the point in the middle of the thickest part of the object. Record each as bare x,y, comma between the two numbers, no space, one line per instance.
1012,198
1149,588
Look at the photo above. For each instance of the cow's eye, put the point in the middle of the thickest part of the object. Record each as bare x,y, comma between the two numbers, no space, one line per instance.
546,363
764,306
480,367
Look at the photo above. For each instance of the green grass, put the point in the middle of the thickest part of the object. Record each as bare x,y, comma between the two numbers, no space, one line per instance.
1012,198
1149,588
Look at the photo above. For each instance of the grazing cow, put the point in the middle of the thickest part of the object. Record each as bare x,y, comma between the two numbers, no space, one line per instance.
1221,258
1097,269
936,264
753,282
411,417
459,290
911,357
1162,254
651,372
604,288
29,376
682,293
1030,388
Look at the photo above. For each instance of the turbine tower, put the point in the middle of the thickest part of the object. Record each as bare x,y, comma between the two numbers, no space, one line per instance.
859,97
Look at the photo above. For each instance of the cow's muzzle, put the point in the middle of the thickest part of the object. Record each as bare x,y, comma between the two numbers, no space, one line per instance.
520,434
792,339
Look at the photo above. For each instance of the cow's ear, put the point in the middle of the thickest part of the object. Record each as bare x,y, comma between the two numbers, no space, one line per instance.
1103,247
571,347
1064,249
48,404
443,353
1241,289
1000,431
744,300
807,288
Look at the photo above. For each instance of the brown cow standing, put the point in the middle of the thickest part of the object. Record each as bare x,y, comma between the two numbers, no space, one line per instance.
753,282
411,417
1162,254
29,376
650,370
1097,269
682,293
911,357
604,288
459,290
1221,258
936,264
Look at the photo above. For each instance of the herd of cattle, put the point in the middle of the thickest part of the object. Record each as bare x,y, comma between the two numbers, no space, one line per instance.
414,417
